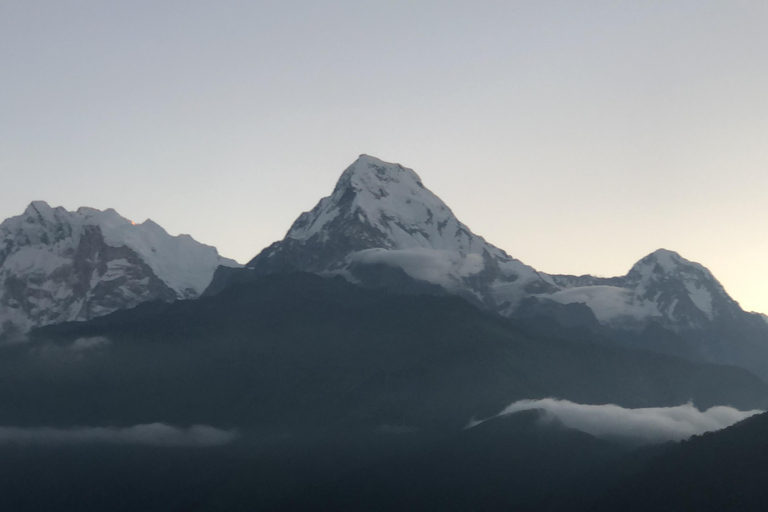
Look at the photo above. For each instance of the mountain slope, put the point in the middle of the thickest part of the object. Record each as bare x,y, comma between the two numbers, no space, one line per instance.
723,470
517,462
57,266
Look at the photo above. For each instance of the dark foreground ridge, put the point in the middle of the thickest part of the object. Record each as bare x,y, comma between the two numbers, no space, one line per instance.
723,470
341,398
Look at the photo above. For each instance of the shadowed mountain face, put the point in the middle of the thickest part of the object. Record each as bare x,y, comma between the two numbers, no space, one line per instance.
341,396
510,463
382,227
299,351
513,462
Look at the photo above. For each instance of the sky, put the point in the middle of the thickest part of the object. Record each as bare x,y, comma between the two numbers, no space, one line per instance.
577,136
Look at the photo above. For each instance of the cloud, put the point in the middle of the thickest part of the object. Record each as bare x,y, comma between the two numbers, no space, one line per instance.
607,302
154,434
434,266
62,355
656,424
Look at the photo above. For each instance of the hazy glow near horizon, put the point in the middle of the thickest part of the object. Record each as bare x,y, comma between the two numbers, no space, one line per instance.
577,136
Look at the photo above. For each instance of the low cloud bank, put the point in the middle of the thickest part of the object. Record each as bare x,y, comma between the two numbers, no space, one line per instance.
655,424
153,434
434,266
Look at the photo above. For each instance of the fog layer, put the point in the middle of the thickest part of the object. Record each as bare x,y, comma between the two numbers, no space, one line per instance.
653,424
156,434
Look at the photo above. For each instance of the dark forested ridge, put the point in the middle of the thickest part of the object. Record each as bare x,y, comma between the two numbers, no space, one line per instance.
298,350
725,470
341,398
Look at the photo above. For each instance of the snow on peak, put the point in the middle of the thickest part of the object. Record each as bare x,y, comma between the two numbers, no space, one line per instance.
369,174
380,213
662,284
180,261
184,264
664,261
393,201
57,266
668,260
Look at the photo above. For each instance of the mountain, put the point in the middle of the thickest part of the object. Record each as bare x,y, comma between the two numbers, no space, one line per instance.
297,351
518,462
382,227
723,470
381,216
343,397
57,265
673,305
662,286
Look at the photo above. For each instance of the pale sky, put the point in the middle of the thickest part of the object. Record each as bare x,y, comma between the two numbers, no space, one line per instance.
576,135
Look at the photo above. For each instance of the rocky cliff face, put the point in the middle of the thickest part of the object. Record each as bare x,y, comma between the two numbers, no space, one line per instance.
58,266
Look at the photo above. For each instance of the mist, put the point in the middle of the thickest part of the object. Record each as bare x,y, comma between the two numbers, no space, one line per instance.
153,434
434,266
653,424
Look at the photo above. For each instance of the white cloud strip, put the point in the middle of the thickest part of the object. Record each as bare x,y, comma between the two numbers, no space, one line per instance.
153,434
434,266
655,424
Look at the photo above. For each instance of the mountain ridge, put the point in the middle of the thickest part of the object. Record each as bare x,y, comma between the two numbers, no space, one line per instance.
380,218
380,226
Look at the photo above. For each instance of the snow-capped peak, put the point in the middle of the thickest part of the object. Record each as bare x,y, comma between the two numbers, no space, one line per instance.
392,200
40,209
664,261
184,264
378,178
381,213
663,285
57,265
381,205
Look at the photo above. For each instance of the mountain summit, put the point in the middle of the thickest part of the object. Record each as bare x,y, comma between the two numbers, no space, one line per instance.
662,286
380,215
57,265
